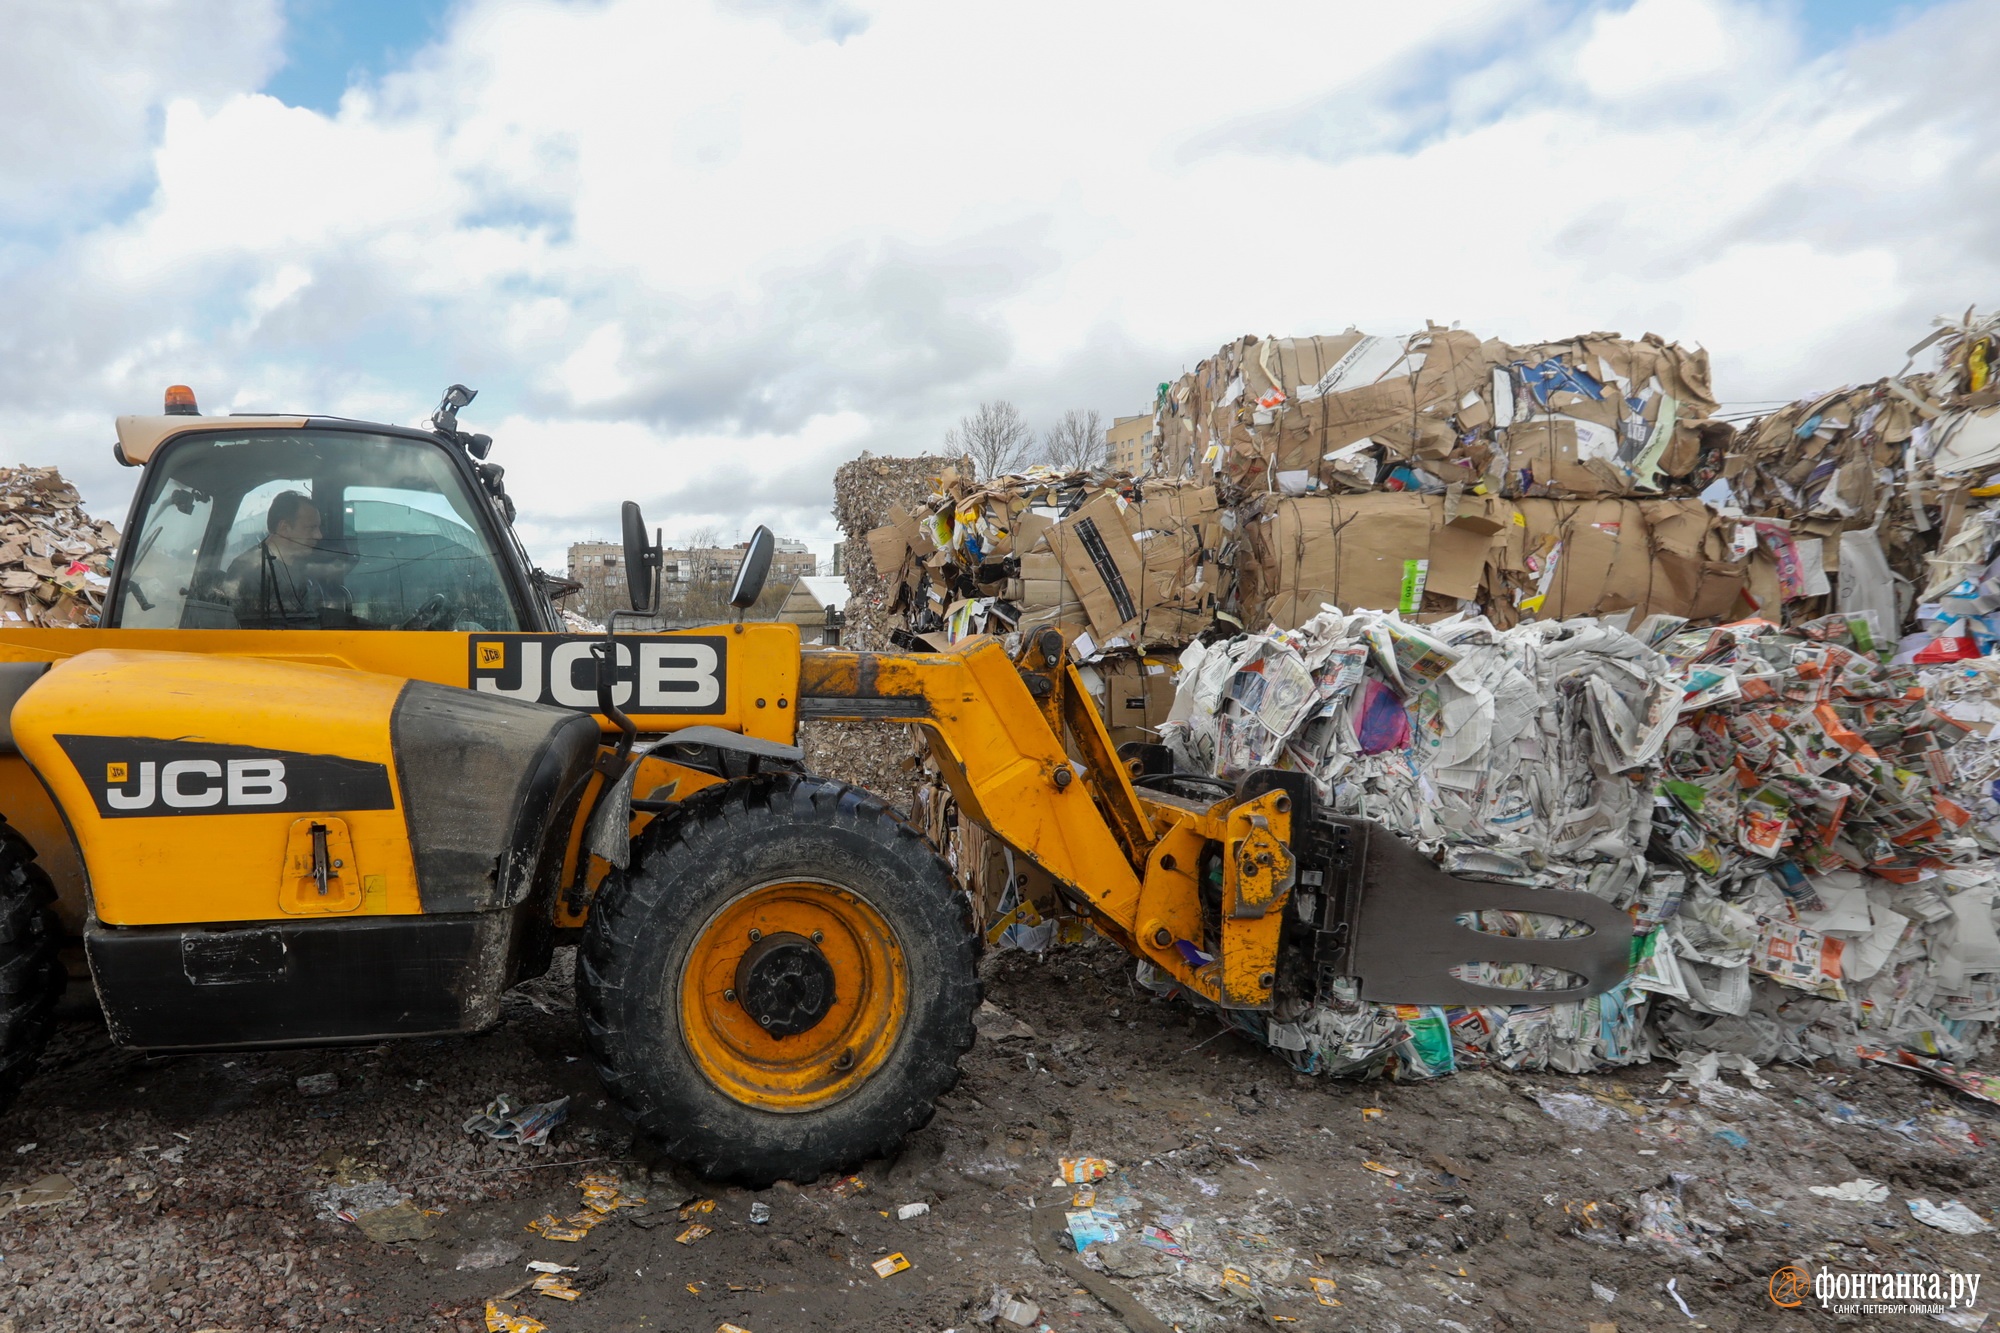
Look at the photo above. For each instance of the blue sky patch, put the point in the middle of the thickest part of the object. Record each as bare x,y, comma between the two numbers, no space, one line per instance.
333,44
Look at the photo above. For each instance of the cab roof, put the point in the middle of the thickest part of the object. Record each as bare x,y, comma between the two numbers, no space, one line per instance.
140,437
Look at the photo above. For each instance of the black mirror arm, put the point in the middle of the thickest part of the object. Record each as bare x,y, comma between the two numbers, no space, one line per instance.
606,654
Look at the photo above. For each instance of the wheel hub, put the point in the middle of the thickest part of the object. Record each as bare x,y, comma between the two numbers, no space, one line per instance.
785,983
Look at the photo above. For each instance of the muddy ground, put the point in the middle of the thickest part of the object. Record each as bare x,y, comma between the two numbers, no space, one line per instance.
1460,1204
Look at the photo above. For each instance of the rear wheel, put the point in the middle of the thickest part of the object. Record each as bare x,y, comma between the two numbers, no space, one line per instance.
782,983
31,976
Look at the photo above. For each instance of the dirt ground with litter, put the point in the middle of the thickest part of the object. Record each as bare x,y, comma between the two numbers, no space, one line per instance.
1460,1204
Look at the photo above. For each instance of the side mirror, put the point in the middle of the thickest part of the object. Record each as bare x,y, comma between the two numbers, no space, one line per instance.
642,559
751,573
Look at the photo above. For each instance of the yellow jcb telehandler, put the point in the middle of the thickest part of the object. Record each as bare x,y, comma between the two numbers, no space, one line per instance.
331,770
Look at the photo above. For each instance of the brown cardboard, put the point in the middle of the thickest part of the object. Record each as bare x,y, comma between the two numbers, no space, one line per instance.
1041,566
1138,696
1458,560
887,547
1350,551
1103,566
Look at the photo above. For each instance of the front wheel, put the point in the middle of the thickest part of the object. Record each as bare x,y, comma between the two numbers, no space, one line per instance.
31,975
782,983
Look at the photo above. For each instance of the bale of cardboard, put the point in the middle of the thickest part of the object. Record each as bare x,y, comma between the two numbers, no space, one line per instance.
55,560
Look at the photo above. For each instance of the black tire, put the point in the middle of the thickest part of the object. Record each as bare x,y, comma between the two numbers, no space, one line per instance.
31,975
690,864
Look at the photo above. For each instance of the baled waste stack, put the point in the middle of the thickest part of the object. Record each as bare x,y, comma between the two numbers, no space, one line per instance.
1442,471
55,560
867,492
1594,415
1133,565
1804,835
1521,754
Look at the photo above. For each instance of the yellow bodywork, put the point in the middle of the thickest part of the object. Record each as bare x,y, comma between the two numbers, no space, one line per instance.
1035,767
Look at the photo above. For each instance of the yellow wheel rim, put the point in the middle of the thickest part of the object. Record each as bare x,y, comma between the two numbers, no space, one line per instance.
839,1052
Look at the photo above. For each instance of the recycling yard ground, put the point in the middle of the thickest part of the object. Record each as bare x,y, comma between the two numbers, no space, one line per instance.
194,1181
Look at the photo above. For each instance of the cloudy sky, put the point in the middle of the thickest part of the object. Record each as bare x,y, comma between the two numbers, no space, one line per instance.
698,253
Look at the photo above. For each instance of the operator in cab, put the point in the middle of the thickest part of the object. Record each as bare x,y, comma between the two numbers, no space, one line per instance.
279,582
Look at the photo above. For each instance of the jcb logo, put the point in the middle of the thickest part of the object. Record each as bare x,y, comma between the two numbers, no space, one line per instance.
196,784
655,673
136,777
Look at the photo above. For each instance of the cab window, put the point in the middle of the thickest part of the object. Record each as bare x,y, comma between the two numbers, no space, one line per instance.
313,530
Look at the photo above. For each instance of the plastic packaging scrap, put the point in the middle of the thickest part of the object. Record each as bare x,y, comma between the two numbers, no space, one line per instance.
343,1202
1951,1215
1579,1110
1862,1190
556,1286
510,1320
605,1194
1082,1170
572,1228
509,1121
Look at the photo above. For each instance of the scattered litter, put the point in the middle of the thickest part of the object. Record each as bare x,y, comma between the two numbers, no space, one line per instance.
39,1193
492,1254
693,1234
318,1085
731,1328
1609,1295
845,1185
996,1024
1020,1312
544,1266
1578,1110
556,1286
760,1213
1090,1226
890,1265
572,1228
1380,1169
697,1208
605,1194
402,1221
1862,1190
1324,1289
510,1321
1373,1113
506,1120
1673,1290
1082,1170
910,1210
1951,1215
1236,1282
344,1201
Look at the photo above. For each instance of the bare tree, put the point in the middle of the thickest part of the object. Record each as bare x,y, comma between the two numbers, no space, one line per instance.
995,437
1076,442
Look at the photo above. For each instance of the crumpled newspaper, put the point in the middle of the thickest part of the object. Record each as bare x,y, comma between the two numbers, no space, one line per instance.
506,1120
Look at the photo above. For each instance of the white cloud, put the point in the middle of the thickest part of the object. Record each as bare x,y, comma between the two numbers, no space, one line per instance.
698,256
81,85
